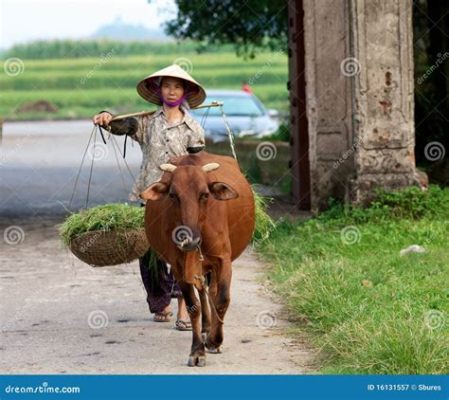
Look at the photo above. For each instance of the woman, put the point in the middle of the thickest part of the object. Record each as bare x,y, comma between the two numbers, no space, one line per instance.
170,131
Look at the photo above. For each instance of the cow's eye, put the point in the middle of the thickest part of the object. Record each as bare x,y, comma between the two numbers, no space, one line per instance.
172,195
204,196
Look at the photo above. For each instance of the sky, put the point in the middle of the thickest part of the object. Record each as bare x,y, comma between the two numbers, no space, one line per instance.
27,20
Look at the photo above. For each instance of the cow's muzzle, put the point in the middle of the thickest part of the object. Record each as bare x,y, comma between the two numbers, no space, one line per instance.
189,244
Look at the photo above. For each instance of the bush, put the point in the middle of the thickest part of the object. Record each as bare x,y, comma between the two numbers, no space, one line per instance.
411,202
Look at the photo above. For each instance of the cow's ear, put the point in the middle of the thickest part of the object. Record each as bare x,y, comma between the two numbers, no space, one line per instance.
222,191
154,191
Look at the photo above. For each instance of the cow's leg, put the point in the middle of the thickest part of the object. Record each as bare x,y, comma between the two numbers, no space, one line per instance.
197,353
221,296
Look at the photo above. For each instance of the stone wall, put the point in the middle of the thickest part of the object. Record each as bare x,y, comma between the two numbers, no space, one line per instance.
359,85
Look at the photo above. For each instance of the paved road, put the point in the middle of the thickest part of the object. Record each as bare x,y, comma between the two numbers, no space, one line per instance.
39,162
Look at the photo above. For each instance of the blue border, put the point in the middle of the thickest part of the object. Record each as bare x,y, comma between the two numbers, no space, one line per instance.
214,387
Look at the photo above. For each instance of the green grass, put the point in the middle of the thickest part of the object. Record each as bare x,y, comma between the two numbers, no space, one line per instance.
108,217
364,305
264,223
54,49
80,87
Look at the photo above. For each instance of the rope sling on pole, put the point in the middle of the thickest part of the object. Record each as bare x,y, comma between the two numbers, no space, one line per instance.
115,144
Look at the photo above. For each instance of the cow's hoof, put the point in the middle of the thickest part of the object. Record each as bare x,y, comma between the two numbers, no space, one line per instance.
201,361
214,350
197,361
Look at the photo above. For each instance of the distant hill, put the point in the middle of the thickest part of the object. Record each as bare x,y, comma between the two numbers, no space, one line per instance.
120,30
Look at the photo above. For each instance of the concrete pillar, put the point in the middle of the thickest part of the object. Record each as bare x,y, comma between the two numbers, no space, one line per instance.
359,90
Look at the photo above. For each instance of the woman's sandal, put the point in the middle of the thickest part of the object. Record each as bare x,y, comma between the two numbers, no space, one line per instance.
163,316
182,325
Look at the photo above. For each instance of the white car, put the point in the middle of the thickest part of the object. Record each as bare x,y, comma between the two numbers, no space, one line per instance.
245,114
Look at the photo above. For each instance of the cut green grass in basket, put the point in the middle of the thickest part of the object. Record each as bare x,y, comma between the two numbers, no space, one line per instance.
108,217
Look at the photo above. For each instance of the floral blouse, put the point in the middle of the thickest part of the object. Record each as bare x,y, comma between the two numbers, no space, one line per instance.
159,141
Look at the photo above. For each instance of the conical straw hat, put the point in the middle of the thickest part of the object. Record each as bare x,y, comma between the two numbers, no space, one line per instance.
149,87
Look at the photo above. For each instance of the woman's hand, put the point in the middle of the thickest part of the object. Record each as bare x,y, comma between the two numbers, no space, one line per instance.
102,119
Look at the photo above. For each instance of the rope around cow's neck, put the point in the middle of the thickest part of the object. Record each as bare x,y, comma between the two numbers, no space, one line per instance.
205,286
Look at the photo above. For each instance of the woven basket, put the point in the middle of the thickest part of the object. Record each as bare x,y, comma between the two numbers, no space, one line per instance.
102,248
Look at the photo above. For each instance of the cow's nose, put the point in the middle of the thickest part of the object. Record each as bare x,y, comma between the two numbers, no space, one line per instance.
191,244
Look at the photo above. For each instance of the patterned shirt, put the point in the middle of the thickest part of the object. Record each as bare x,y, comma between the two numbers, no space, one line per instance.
159,141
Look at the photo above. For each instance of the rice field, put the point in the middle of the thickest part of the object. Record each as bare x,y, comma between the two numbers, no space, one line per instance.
80,87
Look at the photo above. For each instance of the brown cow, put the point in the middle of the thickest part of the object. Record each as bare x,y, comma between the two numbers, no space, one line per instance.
192,228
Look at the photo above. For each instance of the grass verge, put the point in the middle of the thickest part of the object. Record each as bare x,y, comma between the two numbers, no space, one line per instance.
369,309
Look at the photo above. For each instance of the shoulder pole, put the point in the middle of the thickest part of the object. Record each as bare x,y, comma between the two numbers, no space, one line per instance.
118,117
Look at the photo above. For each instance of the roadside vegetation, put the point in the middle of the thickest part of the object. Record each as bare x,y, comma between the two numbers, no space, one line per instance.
367,308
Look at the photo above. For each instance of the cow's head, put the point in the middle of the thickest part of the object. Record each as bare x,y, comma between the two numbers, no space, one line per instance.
189,190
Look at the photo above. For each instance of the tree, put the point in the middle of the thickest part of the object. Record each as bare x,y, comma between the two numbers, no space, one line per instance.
248,25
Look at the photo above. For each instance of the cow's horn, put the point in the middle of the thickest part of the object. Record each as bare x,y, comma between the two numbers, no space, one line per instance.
167,167
210,167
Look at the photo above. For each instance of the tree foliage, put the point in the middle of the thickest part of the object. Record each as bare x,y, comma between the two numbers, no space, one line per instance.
247,25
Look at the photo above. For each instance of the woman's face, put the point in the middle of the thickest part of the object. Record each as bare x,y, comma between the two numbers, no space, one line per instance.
172,89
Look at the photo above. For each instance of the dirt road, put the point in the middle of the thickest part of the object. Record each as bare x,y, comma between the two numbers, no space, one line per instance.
59,315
